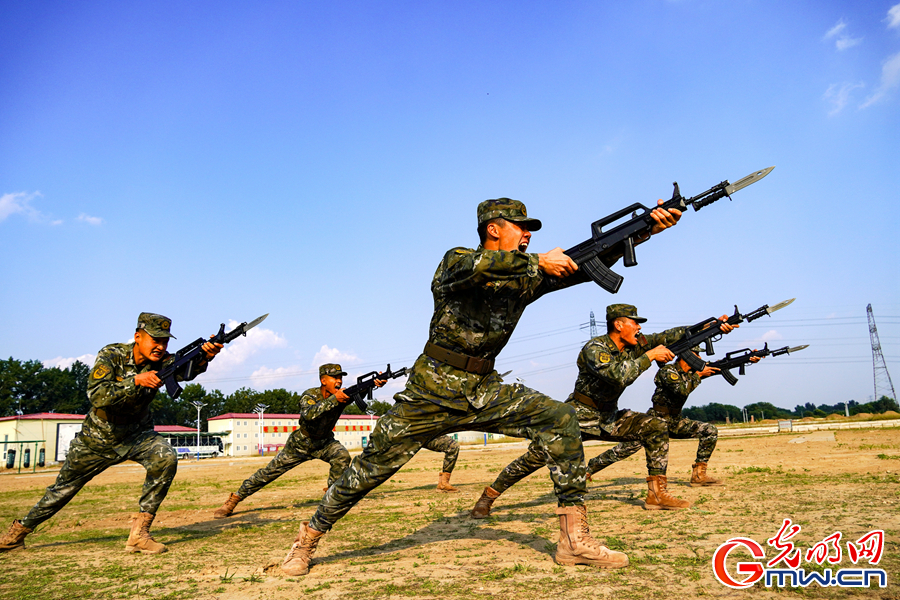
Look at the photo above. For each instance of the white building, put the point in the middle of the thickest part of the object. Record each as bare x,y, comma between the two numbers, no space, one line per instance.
243,434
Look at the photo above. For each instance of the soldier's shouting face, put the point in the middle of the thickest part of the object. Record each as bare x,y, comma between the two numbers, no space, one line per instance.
509,235
628,330
149,348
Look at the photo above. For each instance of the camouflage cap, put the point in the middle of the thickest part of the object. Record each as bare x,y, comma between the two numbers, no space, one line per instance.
331,369
614,311
509,209
156,325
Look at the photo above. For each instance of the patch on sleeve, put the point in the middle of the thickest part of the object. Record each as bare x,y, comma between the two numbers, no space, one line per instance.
310,402
101,371
605,357
673,376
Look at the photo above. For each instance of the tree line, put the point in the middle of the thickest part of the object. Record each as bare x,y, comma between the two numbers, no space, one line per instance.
718,413
27,387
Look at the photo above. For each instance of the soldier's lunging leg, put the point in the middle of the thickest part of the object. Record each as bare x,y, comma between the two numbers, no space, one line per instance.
620,451
684,429
450,448
289,457
411,423
533,459
335,455
161,462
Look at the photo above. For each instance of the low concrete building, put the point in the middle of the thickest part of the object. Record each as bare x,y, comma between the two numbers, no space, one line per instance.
244,435
54,430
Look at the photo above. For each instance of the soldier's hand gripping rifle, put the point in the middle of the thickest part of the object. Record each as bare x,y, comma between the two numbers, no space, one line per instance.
704,333
621,239
740,358
362,391
188,358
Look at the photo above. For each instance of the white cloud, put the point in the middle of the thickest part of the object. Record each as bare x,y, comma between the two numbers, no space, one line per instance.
19,203
237,352
893,18
294,377
842,39
332,355
838,94
771,336
890,80
64,363
836,30
90,220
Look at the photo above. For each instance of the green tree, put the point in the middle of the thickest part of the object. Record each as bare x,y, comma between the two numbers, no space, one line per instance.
380,407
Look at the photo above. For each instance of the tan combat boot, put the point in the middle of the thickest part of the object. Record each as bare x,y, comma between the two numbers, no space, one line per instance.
226,509
14,539
577,547
658,496
139,539
300,556
699,478
444,483
482,508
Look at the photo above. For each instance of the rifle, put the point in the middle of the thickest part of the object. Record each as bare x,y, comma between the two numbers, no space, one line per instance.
704,332
362,391
740,359
620,240
188,358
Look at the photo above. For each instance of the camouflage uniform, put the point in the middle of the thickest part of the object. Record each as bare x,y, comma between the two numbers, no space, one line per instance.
604,372
118,427
450,448
313,439
673,386
479,296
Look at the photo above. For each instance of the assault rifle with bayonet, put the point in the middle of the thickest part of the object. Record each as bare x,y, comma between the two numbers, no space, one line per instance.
704,333
188,358
619,241
362,391
740,358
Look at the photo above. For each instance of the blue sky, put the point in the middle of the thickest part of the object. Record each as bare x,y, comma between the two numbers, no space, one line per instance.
217,161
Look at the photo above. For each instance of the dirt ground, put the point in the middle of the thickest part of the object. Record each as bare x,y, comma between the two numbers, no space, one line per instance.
405,540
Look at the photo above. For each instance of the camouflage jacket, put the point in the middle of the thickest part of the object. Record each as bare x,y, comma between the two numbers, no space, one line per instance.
318,415
673,386
111,388
479,296
604,371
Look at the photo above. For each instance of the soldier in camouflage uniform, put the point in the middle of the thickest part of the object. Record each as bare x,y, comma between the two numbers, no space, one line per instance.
606,366
320,409
119,427
674,383
479,296
450,448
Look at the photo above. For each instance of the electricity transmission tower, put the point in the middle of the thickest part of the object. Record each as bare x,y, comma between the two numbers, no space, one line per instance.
883,384
592,324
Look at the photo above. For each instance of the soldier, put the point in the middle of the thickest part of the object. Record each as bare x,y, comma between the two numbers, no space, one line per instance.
479,296
119,427
450,448
674,383
606,366
320,409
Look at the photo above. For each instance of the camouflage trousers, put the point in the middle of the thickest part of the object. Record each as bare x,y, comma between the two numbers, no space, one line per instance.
449,447
680,428
516,411
298,450
82,464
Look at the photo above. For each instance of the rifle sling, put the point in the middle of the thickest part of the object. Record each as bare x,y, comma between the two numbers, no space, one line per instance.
470,364
599,406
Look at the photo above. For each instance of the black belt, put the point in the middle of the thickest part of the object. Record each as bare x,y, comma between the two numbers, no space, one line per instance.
470,364
665,410
600,406
119,419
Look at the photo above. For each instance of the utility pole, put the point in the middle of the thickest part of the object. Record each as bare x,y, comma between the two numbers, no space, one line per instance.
199,405
883,384
591,325
260,410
